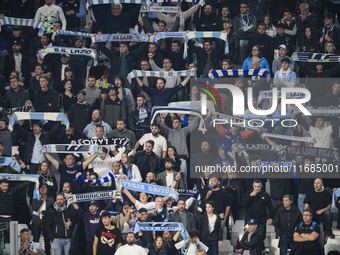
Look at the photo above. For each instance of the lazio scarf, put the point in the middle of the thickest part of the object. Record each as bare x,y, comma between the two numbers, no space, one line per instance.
316,57
201,2
71,33
71,148
256,147
194,104
237,72
24,177
100,195
324,111
121,37
140,73
96,2
9,111
160,226
108,178
183,110
38,116
23,22
71,51
150,189
192,35
311,151
118,142
8,161
289,137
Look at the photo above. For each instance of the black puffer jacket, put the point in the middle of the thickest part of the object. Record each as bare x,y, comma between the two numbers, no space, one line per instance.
254,245
6,199
285,221
42,99
155,162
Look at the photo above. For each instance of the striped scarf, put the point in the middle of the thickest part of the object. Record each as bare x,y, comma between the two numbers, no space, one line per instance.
71,33
289,137
108,178
140,73
192,35
38,116
96,2
71,51
23,22
71,148
8,161
201,2
182,110
237,72
316,57
100,195
121,38
9,111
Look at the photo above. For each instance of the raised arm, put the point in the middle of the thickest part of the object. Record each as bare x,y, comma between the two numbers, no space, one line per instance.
54,162
89,160
128,194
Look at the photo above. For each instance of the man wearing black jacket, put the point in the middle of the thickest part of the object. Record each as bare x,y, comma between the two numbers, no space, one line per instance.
328,33
140,118
251,240
176,55
256,202
209,226
45,99
233,42
286,219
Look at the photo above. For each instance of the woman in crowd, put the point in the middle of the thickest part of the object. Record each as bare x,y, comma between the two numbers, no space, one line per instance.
45,177
103,95
270,29
68,97
256,55
129,169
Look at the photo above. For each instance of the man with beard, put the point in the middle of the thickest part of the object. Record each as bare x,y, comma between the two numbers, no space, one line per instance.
160,144
121,132
92,93
5,138
90,129
71,136
140,118
208,21
162,96
171,81
176,54
131,247
167,177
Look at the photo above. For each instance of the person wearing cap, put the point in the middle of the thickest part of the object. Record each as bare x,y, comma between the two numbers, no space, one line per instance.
113,108
92,221
251,240
46,100
104,94
285,75
80,113
74,11
282,38
233,42
108,238
328,33
17,61
283,50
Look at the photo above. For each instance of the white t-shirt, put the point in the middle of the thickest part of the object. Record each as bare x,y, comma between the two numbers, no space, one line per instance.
322,136
160,143
139,205
169,179
212,221
192,249
135,250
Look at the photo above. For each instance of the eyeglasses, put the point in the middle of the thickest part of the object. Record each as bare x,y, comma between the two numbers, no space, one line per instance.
2,124
166,62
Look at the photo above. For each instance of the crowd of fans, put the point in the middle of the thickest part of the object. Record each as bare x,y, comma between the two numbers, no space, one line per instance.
100,102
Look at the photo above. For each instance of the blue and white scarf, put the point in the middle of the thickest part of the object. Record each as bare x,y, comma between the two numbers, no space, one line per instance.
96,2
164,9
311,151
160,226
8,161
289,137
71,33
201,2
23,22
100,195
324,111
237,72
108,178
24,177
140,73
192,35
182,110
316,57
118,142
9,111
121,38
38,116
71,148
71,51
189,193
150,189
194,104
246,24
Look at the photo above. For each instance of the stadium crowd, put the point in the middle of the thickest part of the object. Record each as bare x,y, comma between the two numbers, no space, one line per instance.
100,102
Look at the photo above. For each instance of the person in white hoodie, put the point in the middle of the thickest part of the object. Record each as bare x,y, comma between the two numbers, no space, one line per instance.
50,13
129,169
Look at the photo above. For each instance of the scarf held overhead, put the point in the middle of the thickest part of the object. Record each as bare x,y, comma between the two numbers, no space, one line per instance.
100,195
149,188
118,142
71,51
96,2
71,148
38,116
71,33
160,226
237,72
8,161
24,177
311,151
316,57
289,137
256,147
23,22
140,73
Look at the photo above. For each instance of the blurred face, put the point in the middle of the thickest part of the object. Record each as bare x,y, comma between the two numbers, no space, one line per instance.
294,143
87,175
64,59
69,160
307,217
17,33
282,52
328,21
286,202
4,187
143,197
121,126
280,30
167,65
103,96
143,216
207,47
123,48
181,206
266,21
221,152
79,44
44,40
166,235
244,8
3,126
69,132
208,10
261,29
113,93
192,66
205,147
93,209
330,48
38,70
215,183
115,167
16,48
60,200
159,242
152,48
141,102
145,65
124,158
161,27
14,83
56,26
227,25
91,82
239,84
304,11
81,98
44,167
130,239
336,89
155,130
255,51
171,152
148,148
320,122
318,184
67,86
257,186
308,32
126,209
175,47
255,64
252,227
116,10
96,116
67,188
287,15
106,221
168,166
36,129
225,12
25,236
43,190
225,66
99,132
234,129
159,202
193,239
176,123
209,208
285,66
307,162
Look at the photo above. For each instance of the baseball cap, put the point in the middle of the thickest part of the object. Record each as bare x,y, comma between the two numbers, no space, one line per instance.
66,55
68,68
113,87
251,222
282,46
222,147
228,21
82,92
104,91
16,42
93,203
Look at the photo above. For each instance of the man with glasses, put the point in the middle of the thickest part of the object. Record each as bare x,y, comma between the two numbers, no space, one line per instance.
171,81
208,21
306,236
244,25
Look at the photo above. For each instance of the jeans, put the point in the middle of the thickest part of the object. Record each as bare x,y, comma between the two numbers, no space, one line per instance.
327,217
34,168
213,247
301,205
60,245
285,244
73,234
148,105
36,235
243,50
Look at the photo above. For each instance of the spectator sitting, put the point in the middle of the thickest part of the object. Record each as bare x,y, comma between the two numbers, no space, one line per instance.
285,75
